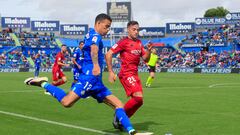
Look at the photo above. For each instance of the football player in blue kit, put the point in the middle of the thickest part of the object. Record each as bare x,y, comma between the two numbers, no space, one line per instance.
37,65
90,83
77,61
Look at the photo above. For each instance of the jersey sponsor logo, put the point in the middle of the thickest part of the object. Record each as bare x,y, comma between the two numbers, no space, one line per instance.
136,52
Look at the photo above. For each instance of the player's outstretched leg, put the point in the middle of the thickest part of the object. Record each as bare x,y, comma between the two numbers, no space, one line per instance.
35,81
56,92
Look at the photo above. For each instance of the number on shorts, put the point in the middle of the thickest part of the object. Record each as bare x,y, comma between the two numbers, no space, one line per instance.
131,80
87,86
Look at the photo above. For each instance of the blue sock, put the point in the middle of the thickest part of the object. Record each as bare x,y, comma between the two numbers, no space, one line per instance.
73,83
123,118
36,74
56,92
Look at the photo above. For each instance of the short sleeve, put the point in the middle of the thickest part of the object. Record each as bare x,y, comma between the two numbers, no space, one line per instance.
118,47
96,39
75,54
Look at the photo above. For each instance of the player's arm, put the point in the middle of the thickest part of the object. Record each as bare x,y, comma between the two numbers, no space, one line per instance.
62,64
94,56
74,60
147,54
108,58
114,50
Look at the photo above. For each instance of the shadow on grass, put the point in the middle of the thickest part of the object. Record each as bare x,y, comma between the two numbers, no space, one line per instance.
144,126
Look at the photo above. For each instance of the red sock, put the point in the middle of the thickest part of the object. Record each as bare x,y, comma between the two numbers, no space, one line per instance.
132,105
58,83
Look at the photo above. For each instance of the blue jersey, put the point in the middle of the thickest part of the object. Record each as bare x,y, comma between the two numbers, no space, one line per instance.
88,84
78,56
37,62
92,38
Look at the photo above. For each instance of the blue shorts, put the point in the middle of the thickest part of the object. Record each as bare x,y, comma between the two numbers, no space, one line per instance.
76,73
89,85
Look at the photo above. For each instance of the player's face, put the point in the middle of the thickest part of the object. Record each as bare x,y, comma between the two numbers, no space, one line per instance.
64,49
154,51
133,31
81,45
104,27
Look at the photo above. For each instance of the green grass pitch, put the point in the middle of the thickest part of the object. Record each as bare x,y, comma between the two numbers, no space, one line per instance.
179,104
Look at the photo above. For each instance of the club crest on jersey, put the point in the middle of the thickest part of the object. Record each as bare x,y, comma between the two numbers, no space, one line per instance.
136,52
94,39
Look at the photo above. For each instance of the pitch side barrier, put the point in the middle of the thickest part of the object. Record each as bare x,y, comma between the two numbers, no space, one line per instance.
158,70
191,70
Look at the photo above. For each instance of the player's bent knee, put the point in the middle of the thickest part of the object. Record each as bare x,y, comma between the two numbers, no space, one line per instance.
139,101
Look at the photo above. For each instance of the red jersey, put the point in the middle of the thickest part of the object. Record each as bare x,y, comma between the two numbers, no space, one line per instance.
130,53
59,58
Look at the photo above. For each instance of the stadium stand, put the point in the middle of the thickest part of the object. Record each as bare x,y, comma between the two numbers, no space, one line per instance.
217,47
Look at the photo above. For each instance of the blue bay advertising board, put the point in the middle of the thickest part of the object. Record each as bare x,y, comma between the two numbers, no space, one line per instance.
45,25
233,18
209,22
73,29
16,22
152,31
179,28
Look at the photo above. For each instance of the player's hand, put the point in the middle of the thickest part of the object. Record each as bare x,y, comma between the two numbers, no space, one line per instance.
67,65
112,77
149,46
79,67
96,70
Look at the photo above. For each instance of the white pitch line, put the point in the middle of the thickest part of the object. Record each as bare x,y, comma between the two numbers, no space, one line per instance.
221,84
21,91
56,123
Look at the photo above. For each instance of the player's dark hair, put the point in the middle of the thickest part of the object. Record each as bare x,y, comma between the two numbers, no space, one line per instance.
130,23
81,42
102,17
63,45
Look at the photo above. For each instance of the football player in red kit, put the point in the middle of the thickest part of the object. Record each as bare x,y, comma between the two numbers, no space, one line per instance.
131,50
58,76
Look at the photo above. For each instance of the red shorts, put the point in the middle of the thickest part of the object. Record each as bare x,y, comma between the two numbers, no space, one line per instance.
57,74
131,84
